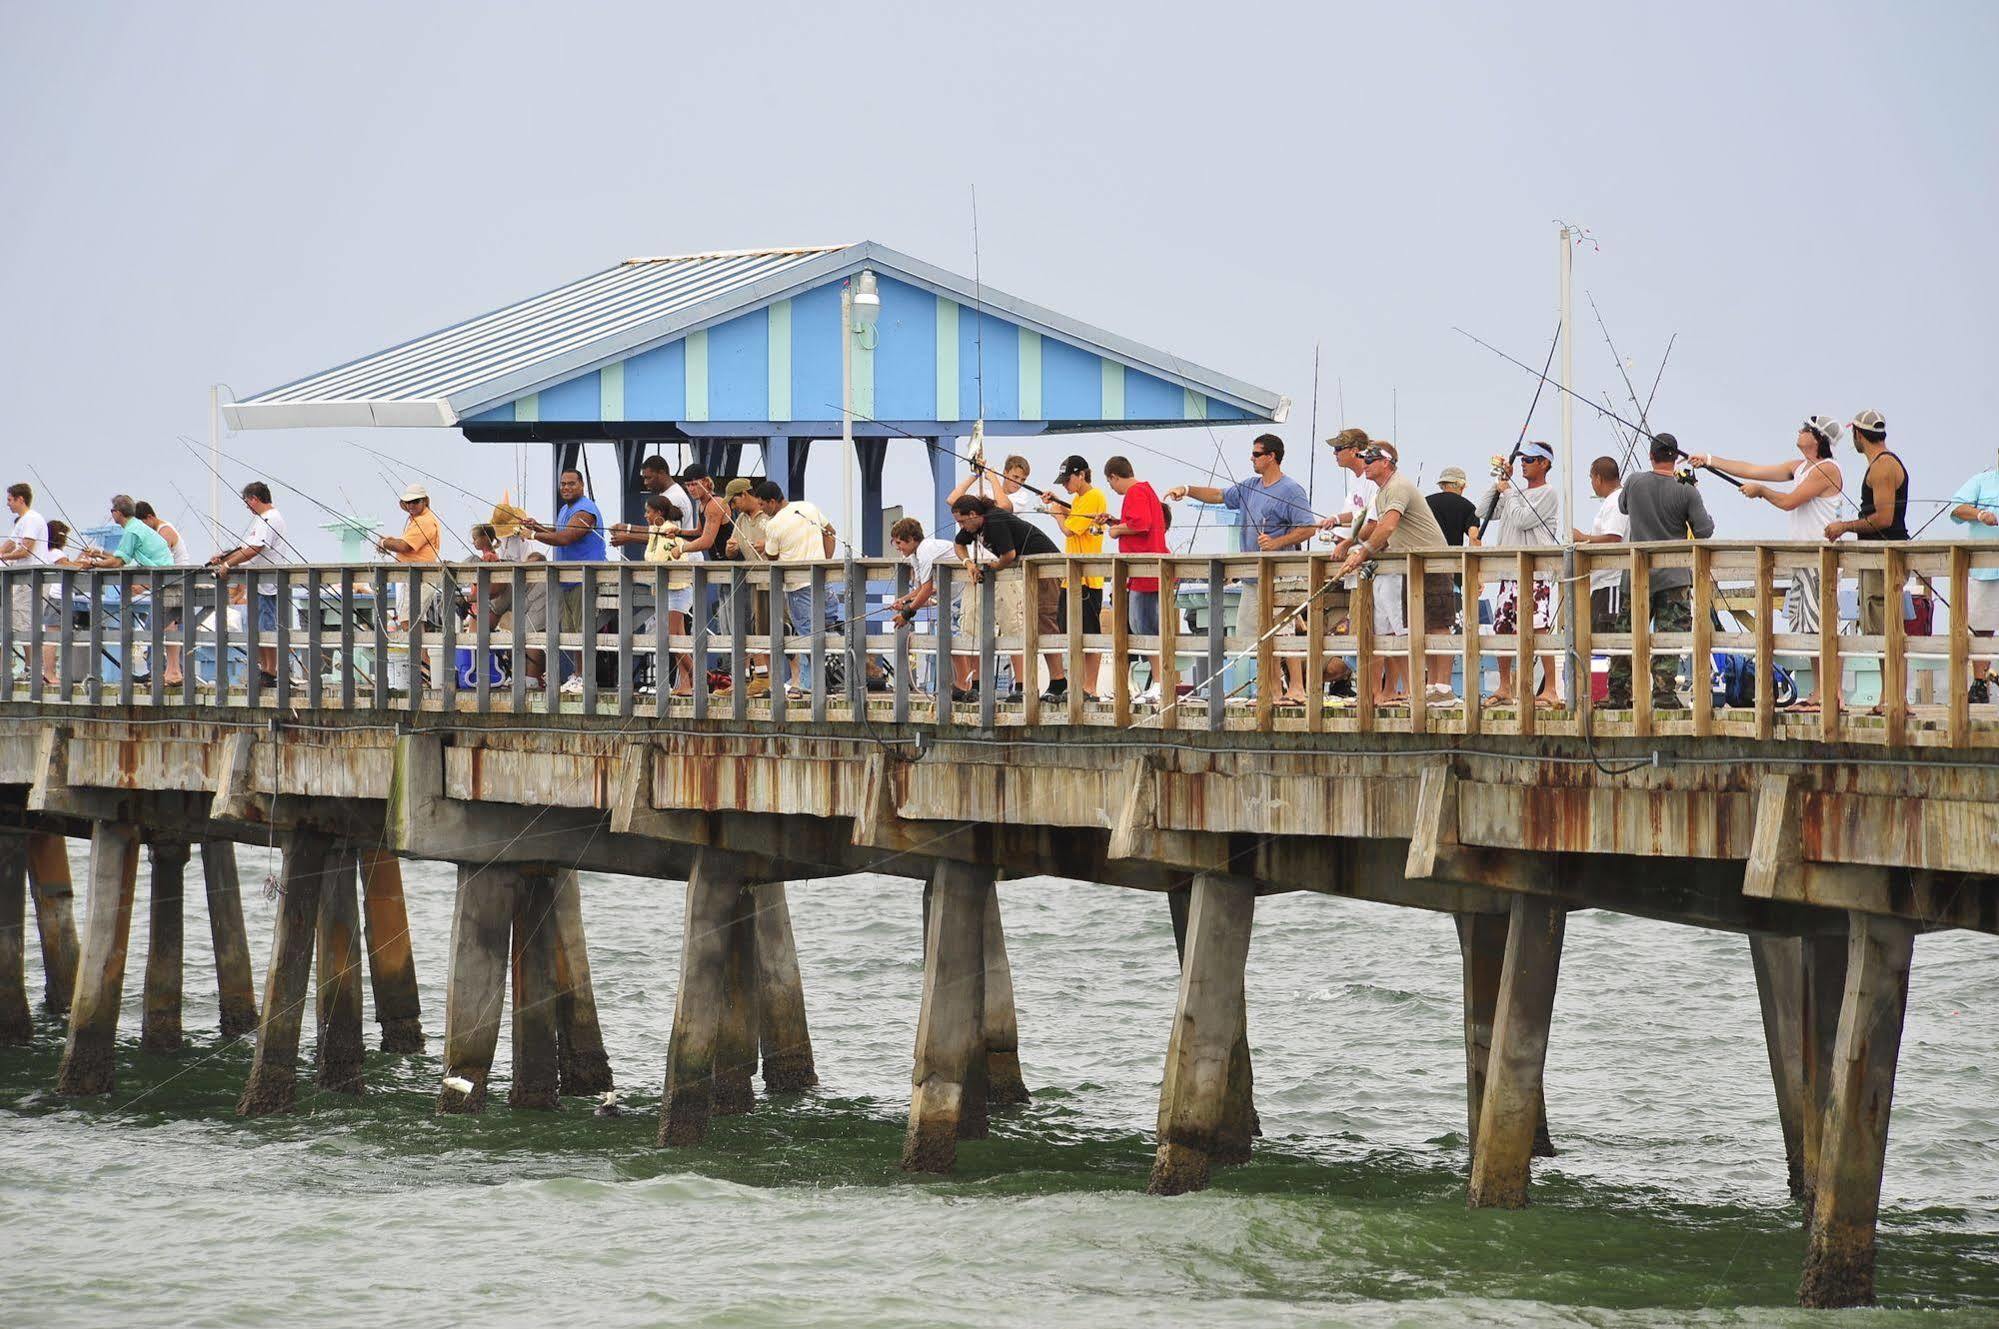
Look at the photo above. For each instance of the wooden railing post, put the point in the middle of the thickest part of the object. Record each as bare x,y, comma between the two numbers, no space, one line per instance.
1524,691
1315,643
1419,661
1958,675
1766,647
1641,643
1120,664
1169,647
1701,663
1894,646
1474,664
1831,683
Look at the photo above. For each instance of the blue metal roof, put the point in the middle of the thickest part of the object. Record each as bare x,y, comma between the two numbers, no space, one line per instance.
649,319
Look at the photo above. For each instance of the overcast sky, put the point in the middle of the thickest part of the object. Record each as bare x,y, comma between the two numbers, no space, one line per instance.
248,193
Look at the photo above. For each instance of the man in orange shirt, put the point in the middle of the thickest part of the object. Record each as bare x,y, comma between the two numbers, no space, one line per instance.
422,536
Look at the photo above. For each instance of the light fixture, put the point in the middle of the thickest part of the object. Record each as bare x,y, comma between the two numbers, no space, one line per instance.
867,301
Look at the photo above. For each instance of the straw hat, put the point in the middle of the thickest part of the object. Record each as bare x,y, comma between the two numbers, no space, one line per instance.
507,520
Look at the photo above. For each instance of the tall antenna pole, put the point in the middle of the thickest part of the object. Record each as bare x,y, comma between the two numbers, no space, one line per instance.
849,518
1568,380
215,454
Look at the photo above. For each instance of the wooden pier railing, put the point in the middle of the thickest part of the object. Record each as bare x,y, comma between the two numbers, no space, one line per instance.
475,637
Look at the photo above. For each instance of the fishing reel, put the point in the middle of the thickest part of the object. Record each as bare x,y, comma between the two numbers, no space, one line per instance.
1683,471
1502,466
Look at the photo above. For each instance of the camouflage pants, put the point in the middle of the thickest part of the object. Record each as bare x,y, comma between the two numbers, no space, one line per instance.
1672,611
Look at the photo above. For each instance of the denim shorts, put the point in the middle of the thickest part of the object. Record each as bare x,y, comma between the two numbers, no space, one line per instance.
267,612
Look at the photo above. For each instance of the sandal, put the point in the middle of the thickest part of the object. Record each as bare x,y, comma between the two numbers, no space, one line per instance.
1802,708
1547,704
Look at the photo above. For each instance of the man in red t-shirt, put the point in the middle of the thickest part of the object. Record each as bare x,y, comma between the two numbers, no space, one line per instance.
1140,528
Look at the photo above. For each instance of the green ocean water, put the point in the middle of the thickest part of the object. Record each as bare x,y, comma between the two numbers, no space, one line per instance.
1667,1205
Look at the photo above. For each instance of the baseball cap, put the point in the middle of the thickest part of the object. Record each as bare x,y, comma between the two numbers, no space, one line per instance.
1451,475
737,487
1872,421
1824,426
1073,464
416,494
694,471
1532,451
1347,438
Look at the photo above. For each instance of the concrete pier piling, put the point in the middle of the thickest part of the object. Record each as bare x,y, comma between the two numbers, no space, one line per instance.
584,1068
1822,987
391,964
783,1034
1510,1109
1004,1086
737,1037
338,1051
234,987
1779,964
55,916
1208,1024
537,1080
16,1024
1482,953
273,1082
475,988
160,1026
1839,1251
948,1097
714,888
1240,1125
93,1015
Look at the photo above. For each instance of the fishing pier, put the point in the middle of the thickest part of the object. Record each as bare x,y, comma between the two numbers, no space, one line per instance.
1830,841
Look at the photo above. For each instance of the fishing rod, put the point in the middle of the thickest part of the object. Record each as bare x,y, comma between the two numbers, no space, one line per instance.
935,446
1525,425
405,464
74,529
1630,391
1608,414
1312,438
325,507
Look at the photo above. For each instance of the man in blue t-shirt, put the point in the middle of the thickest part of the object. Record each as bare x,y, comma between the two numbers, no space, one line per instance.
1975,512
577,536
1276,515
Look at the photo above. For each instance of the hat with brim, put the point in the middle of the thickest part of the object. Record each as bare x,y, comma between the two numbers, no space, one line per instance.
416,494
1536,452
1872,421
1452,475
507,520
737,487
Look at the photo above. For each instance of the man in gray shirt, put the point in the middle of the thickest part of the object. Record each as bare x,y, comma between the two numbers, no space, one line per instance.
1663,508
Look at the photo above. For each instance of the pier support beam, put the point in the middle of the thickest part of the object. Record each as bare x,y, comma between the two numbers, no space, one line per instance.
273,1083
584,1068
1004,1086
1779,963
16,1024
782,1030
338,1050
1839,1253
234,987
1208,1025
736,1040
1511,1105
160,1026
948,1097
1241,1125
537,1080
391,966
100,982
713,890
55,916
1822,985
475,988
1482,950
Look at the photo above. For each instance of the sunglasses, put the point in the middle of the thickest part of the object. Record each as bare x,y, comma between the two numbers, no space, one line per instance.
1258,452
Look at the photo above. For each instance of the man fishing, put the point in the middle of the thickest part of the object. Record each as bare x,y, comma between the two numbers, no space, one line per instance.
1884,513
1661,507
260,550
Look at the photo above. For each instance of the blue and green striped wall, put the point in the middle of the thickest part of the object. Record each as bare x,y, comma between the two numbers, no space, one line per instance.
933,359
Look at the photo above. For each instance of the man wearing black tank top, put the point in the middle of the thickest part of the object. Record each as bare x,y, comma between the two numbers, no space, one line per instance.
1884,512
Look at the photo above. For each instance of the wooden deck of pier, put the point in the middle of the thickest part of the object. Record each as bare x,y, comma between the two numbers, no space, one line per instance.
1831,841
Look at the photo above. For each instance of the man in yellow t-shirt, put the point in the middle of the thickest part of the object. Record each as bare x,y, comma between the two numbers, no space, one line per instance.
1083,516
422,536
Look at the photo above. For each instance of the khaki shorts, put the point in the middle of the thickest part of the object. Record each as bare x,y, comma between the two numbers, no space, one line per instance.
1287,595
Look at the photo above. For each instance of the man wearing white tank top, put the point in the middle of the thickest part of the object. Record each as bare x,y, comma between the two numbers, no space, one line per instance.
1812,502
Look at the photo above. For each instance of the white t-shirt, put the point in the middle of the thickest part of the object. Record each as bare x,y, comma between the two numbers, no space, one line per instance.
1810,518
794,533
1609,521
30,525
183,557
267,536
925,557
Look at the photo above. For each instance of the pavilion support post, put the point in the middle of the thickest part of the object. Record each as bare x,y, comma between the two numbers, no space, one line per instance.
1822,985
16,1024
1243,1124
1208,1024
1004,1086
537,1078
948,1095
100,980
273,1083
781,1026
160,1025
234,987
55,916
943,479
873,457
582,1065
391,964
475,986
1511,1105
1839,1251
713,888
338,1051
736,1039
777,462
1779,963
